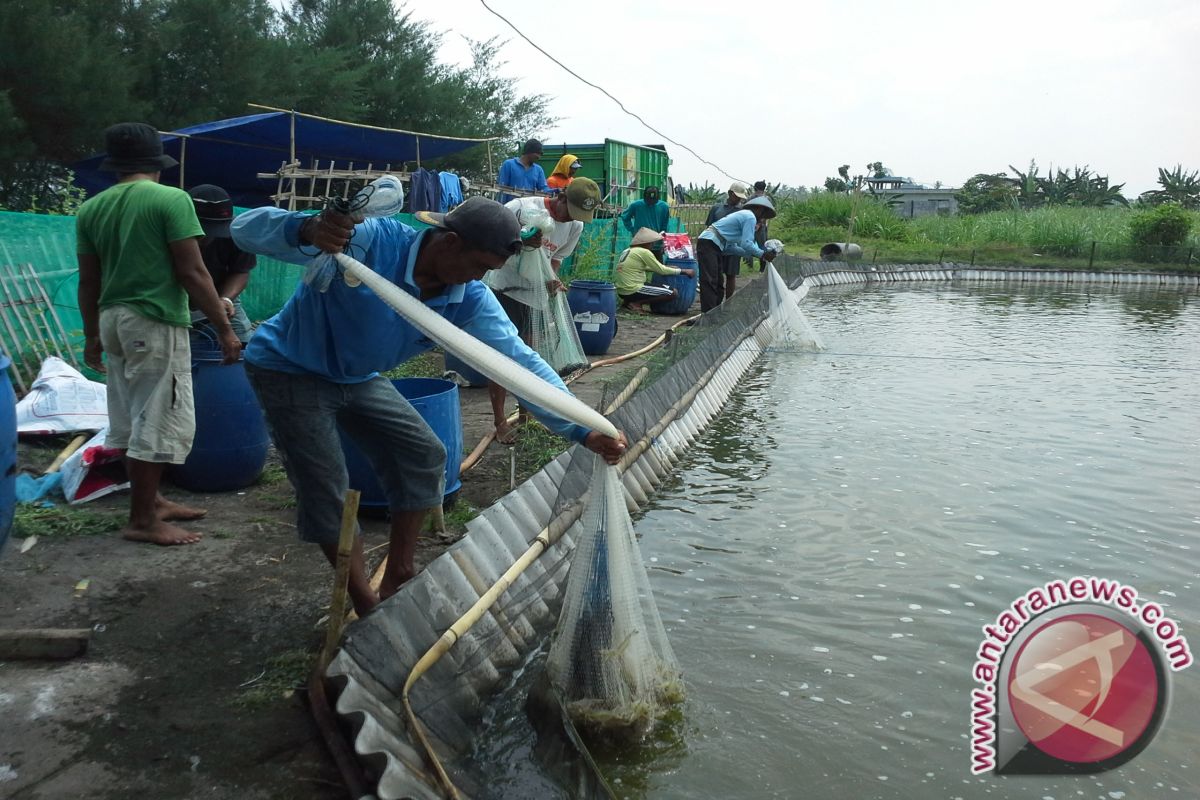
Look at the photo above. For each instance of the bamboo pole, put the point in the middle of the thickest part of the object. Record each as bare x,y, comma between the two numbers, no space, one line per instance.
542,542
38,318
53,312
337,605
295,113
13,305
66,453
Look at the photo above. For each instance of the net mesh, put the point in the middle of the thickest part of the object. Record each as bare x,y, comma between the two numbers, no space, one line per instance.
527,278
609,659
789,327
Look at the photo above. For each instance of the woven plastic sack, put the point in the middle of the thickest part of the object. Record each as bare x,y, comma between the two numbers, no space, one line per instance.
610,660
678,245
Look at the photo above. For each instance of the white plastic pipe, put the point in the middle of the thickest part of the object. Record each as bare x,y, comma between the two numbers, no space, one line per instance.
477,355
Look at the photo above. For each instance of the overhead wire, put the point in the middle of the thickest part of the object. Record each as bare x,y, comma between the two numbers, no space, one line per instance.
605,92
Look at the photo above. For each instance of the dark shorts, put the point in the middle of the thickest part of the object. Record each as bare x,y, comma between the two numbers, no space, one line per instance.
304,413
518,312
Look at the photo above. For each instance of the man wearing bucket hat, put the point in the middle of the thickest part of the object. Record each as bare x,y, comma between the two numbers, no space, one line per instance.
569,209
228,265
523,172
139,263
640,259
315,365
732,235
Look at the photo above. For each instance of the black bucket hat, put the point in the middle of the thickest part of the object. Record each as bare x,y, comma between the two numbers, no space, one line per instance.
134,147
214,209
482,223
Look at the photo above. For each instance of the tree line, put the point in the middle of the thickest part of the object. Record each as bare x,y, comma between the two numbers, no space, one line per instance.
70,68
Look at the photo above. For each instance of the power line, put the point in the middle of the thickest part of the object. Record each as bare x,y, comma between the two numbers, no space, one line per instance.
603,91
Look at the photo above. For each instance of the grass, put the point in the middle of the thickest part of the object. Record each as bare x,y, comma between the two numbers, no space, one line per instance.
272,475
1056,236
536,447
62,521
282,675
458,516
425,365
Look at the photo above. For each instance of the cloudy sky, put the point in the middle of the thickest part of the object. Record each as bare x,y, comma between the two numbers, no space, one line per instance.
787,90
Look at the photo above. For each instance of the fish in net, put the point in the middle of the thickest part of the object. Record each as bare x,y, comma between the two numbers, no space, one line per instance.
609,658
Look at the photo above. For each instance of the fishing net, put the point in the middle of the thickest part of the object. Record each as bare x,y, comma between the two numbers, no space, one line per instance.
527,278
609,659
789,328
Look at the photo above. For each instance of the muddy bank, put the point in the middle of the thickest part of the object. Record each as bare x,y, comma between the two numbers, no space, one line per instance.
192,686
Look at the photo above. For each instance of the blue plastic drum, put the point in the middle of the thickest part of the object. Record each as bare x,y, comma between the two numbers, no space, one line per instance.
230,448
436,400
8,451
682,284
594,311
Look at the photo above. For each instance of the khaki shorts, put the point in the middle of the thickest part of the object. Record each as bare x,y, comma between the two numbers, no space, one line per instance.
150,409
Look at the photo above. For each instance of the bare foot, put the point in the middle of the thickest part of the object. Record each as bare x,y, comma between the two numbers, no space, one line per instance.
392,583
364,603
161,533
505,433
167,510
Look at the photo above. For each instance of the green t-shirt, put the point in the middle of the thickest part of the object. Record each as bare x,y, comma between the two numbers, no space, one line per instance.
631,271
130,227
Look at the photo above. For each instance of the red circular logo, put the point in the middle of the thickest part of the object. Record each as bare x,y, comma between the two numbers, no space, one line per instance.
1083,688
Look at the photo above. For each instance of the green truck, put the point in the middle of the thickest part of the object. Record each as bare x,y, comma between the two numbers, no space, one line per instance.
623,170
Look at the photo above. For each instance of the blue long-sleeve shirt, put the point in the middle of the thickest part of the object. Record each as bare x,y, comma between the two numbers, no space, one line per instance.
515,174
641,215
347,334
735,234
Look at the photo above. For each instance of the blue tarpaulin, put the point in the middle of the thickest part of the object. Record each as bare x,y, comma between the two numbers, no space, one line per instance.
231,152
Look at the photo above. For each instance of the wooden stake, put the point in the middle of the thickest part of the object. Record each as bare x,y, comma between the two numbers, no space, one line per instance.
337,606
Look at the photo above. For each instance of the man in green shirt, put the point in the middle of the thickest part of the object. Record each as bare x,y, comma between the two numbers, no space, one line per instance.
633,267
139,262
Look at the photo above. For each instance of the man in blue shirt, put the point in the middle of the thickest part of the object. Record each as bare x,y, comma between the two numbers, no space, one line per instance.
315,365
523,172
732,235
649,212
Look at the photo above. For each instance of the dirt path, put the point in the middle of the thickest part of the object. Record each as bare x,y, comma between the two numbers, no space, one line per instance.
192,686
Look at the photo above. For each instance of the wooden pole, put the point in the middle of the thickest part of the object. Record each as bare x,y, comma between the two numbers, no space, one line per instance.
337,605
182,159
66,453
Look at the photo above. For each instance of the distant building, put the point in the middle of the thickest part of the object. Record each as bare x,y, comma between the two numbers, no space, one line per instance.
913,199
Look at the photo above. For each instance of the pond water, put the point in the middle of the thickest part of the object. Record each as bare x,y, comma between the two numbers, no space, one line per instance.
825,556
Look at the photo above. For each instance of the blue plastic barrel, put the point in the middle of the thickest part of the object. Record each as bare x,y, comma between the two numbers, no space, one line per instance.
230,448
436,400
8,451
594,310
682,284
473,377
